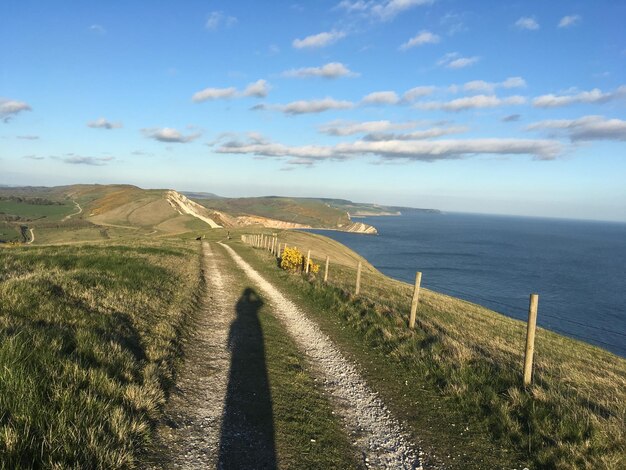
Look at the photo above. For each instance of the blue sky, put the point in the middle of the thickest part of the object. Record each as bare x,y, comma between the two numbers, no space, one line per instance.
491,107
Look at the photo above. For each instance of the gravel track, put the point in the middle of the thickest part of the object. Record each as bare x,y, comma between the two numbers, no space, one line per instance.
190,436
376,433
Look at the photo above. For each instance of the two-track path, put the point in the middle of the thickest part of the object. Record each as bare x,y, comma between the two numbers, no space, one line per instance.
191,439
379,436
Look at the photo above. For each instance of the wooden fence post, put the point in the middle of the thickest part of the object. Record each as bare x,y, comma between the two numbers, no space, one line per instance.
308,260
358,279
414,302
530,339
326,269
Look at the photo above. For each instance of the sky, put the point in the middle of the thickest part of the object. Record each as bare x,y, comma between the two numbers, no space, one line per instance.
491,107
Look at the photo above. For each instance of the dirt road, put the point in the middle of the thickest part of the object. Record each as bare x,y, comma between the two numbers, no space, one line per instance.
378,435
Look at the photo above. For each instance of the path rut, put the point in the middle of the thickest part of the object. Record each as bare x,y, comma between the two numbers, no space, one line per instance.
193,417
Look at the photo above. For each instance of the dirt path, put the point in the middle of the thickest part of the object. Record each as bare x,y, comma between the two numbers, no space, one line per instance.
80,210
190,437
377,434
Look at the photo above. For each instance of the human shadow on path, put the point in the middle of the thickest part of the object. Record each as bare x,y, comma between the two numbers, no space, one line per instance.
247,434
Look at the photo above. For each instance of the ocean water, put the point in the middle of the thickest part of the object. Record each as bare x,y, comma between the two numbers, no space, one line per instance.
578,268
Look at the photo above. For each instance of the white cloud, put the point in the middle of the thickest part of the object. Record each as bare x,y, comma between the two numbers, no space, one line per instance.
314,106
527,23
258,89
483,86
214,94
462,62
418,92
453,60
569,20
472,102
102,123
10,108
345,128
218,19
318,40
423,37
595,96
381,10
381,97
411,150
330,70
97,29
167,134
33,157
28,137
586,128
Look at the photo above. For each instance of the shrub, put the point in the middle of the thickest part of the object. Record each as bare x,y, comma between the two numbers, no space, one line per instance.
292,260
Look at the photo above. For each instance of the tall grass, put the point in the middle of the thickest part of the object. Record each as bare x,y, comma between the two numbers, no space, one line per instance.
89,341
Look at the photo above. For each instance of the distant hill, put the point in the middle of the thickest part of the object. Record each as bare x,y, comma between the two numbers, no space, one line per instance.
200,195
92,211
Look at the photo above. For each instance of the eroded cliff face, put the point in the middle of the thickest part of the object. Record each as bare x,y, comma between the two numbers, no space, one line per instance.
358,227
183,205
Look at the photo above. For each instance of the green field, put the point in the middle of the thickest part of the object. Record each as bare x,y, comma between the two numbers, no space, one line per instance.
36,211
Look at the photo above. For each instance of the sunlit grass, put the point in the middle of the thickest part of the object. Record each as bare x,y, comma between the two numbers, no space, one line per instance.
88,347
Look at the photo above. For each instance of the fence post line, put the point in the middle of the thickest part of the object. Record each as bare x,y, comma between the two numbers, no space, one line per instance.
530,339
326,269
357,289
308,259
414,302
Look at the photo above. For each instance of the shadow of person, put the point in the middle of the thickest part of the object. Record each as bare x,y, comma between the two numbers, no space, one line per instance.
247,434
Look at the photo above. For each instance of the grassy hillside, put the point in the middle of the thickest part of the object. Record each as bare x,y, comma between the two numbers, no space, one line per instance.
90,213
88,347
302,211
456,378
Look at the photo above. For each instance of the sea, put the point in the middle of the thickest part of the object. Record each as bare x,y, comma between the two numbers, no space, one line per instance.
578,268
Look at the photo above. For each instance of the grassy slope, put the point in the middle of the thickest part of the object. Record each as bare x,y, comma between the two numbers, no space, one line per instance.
88,347
456,379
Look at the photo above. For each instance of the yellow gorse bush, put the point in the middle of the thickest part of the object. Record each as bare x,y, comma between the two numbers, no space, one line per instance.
292,260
